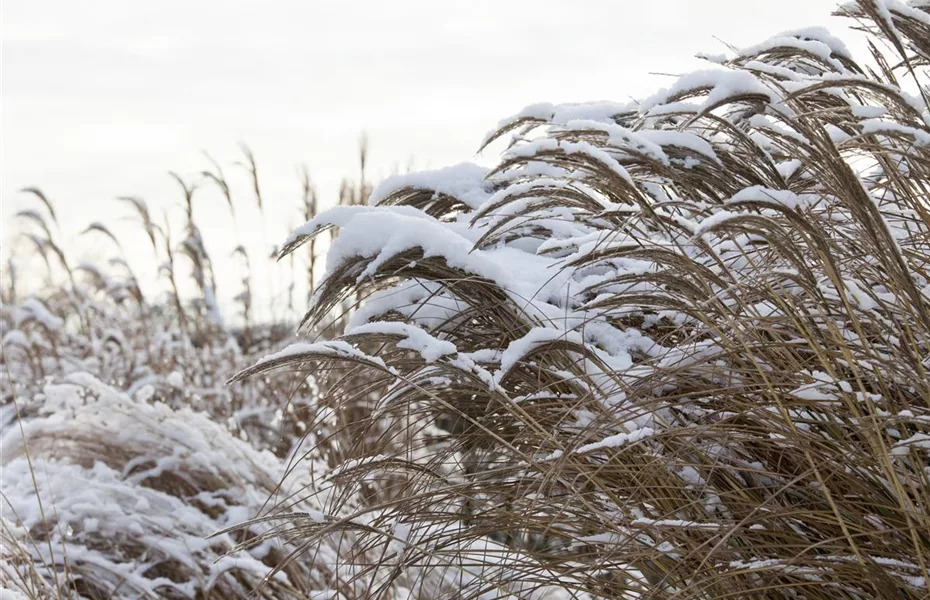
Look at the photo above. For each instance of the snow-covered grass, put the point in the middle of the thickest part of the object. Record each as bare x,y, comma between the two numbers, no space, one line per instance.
669,349
120,497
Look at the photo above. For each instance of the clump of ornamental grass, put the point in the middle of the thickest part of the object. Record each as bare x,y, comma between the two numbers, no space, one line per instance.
676,348
108,495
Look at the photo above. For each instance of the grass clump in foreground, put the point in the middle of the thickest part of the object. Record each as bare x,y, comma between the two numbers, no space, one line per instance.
675,348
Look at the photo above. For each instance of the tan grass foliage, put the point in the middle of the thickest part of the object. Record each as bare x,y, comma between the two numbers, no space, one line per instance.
669,349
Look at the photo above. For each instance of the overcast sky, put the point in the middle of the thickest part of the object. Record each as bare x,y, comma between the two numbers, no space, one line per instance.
101,98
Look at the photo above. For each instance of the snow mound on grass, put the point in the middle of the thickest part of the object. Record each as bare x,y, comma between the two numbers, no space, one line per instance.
125,498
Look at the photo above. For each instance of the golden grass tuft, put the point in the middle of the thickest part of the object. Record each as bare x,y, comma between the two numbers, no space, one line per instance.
725,395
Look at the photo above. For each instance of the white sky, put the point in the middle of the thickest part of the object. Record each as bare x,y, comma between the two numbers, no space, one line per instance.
101,98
